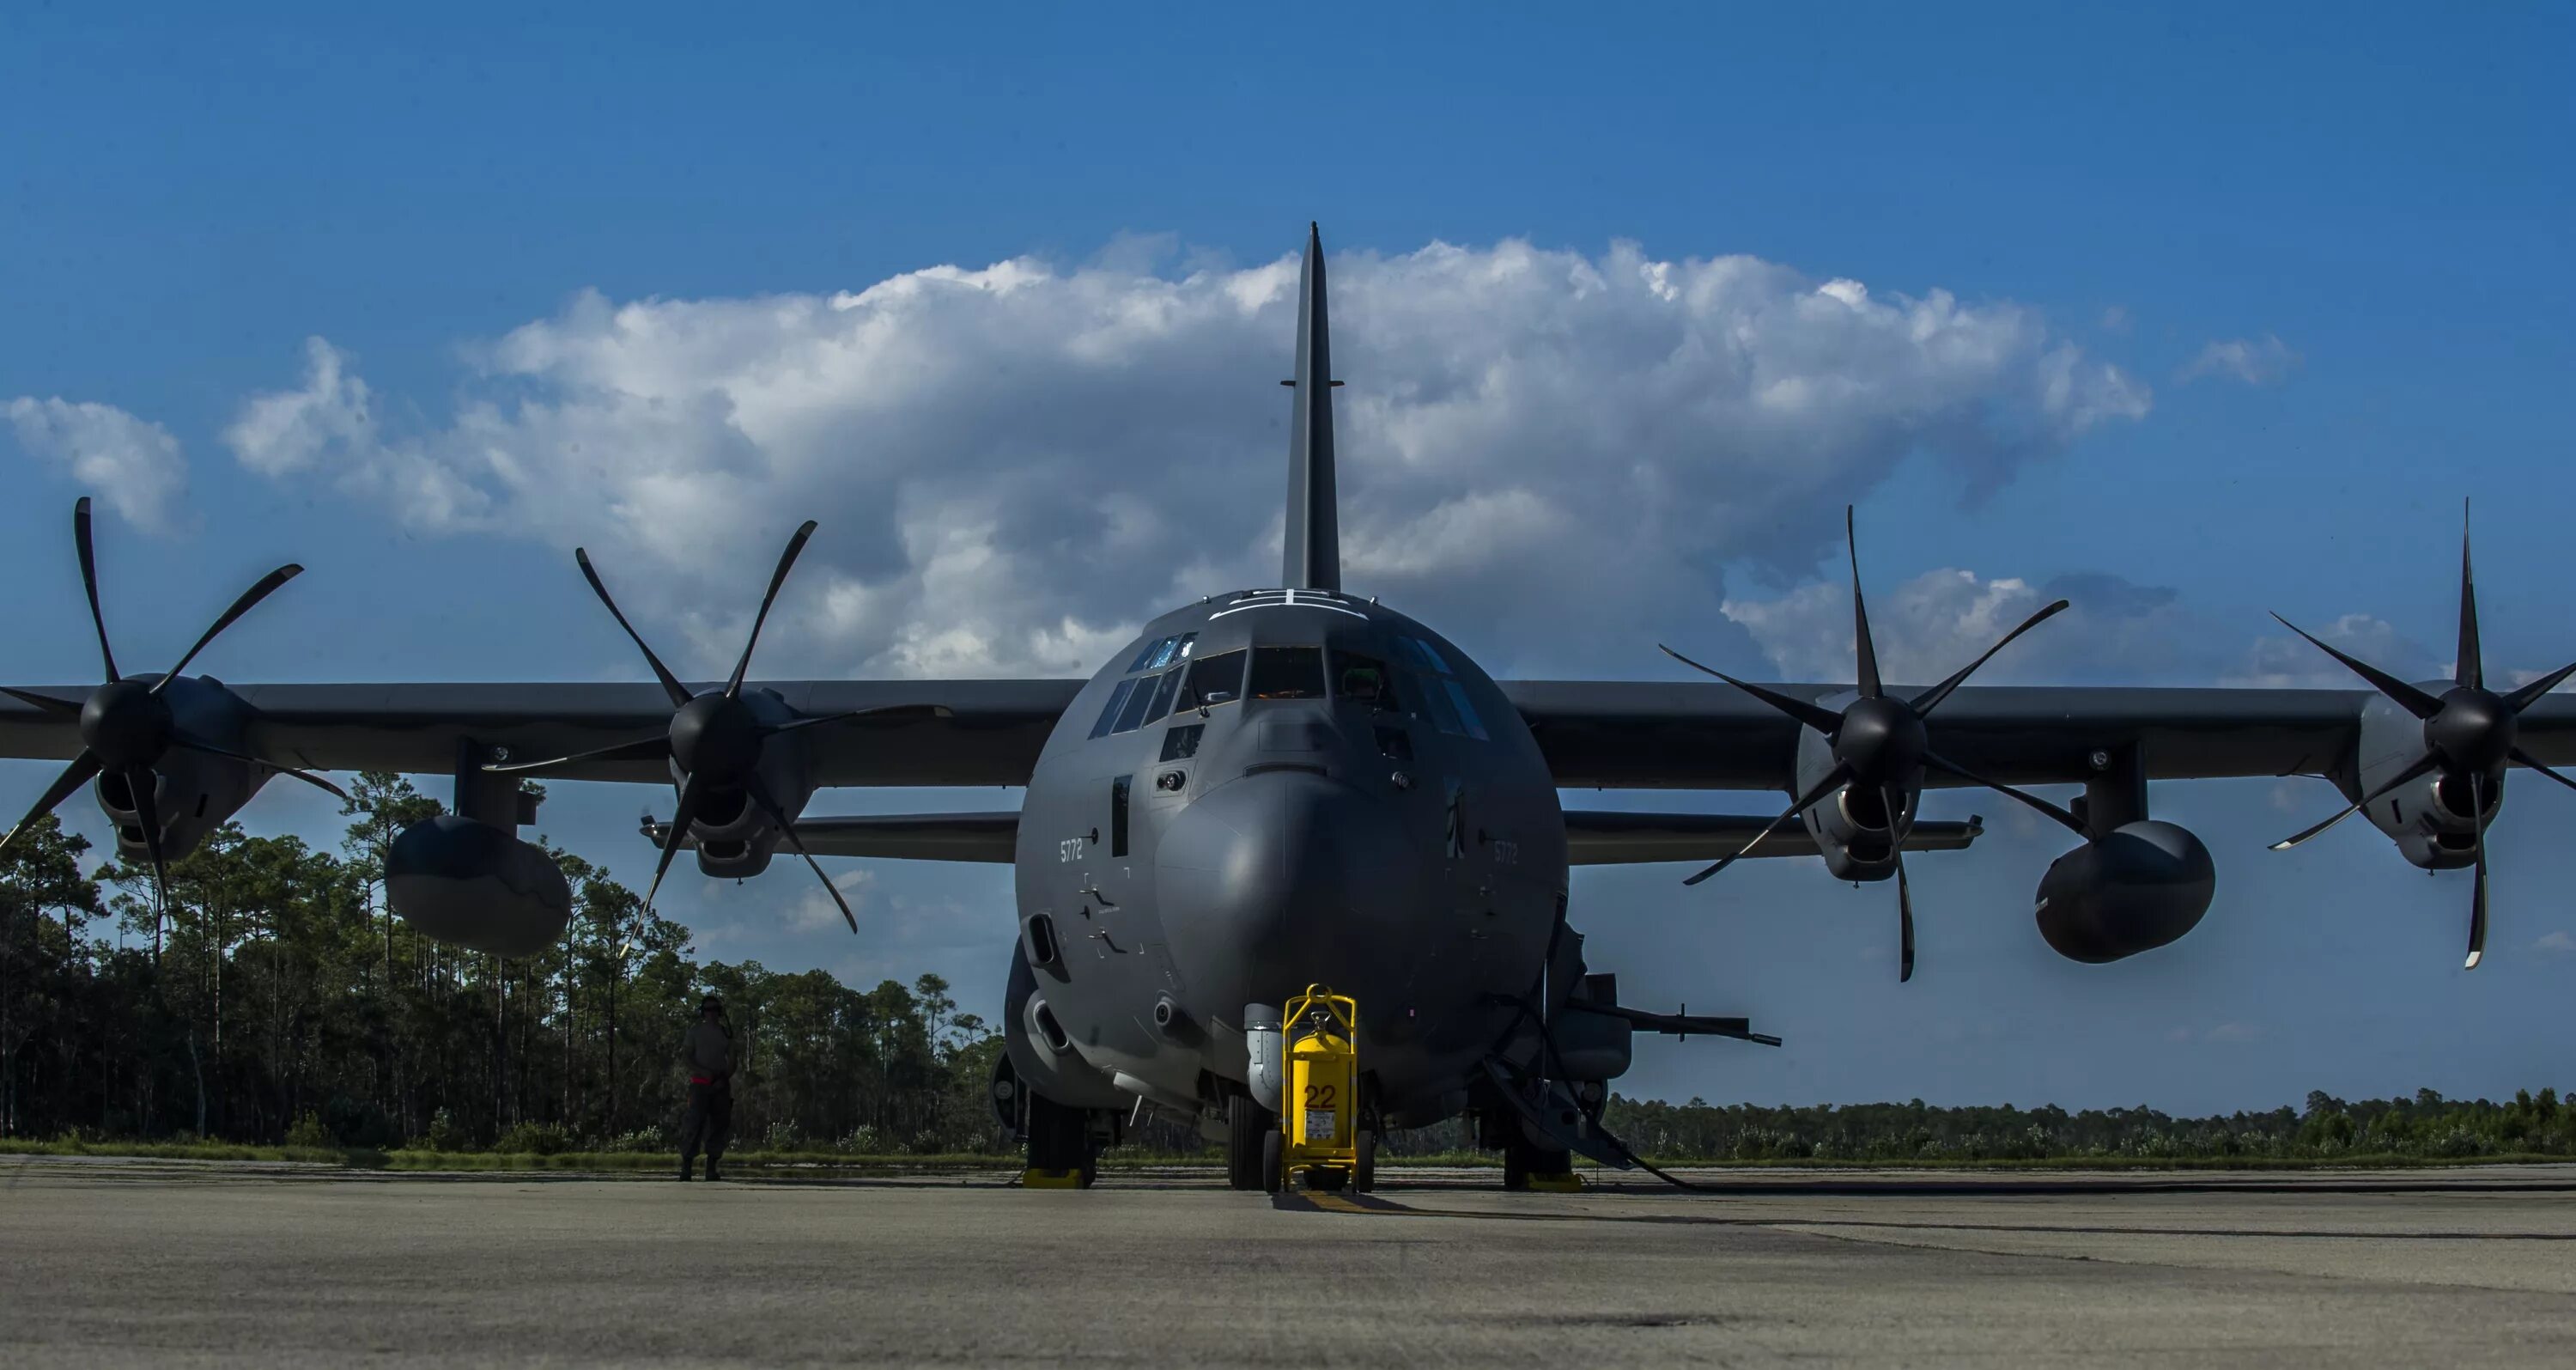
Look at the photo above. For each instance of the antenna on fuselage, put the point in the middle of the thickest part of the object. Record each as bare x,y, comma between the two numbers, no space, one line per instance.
1312,556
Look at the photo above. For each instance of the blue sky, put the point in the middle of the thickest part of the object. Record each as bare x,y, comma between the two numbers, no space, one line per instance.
2310,262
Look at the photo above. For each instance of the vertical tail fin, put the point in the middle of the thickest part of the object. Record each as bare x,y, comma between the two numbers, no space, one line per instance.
1312,558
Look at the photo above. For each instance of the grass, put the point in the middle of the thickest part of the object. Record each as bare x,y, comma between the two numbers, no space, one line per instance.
614,1162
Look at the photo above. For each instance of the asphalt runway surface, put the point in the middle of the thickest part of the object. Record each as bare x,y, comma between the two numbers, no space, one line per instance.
135,1263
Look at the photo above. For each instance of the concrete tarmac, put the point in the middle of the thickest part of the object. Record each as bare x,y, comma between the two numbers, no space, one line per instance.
166,1264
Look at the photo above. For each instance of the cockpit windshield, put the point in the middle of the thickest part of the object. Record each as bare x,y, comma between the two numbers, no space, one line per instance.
1214,679
1362,680
1287,673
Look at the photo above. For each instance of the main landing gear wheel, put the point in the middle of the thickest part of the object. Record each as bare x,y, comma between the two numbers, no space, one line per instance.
1059,1140
1246,1123
1364,1174
1271,1142
1527,1165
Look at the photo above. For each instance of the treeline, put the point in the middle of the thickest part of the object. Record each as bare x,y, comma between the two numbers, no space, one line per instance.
2426,1126
277,998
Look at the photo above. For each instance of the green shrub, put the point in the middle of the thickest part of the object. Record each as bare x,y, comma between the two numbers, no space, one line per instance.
444,1134
309,1132
534,1139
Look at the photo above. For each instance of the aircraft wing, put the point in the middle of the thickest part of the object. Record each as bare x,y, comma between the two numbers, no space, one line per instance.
988,732
985,837
1689,735
1610,837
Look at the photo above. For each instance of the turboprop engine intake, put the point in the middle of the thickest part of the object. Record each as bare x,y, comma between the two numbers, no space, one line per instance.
2133,889
472,884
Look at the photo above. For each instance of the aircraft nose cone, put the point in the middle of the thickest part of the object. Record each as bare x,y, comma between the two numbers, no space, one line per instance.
1283,879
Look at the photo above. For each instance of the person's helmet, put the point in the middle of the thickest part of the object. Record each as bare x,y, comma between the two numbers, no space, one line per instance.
711,1004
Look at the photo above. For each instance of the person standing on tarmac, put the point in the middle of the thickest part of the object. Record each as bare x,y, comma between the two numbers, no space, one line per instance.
707,1052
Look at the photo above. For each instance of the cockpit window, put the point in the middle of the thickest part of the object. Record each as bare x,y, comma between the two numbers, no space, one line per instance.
1466,711
1287,673
1214,679
1133,715
1165,685
1362,680
1109,712
1162,652
1435,702
1424,653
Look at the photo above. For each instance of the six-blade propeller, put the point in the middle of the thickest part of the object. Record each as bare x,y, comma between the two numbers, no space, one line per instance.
2468,736
126,725
1881,747
715,738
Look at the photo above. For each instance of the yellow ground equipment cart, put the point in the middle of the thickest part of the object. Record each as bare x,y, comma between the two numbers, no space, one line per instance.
1321,1136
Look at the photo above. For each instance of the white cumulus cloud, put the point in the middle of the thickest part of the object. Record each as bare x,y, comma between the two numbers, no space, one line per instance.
135,467
1937,622
2255,361
1011,463
2285,661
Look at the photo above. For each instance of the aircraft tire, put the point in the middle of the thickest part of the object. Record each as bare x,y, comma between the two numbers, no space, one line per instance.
1364,1174
1523,1158
1247,1122
1270,1158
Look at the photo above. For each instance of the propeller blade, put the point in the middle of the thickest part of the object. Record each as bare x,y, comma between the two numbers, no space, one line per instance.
1815,716
760,795
2529,694
2524,758
681,816
2478,892
2423,764
641,749
1834,780
880,711
1866,649
1904,913
2069,820
2412,700
249,598
89,582
210,749
671,685
786,560
83,768
2468,670
141,780
1930,699
59,708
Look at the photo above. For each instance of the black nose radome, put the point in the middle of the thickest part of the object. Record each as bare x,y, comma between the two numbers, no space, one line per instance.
1285,878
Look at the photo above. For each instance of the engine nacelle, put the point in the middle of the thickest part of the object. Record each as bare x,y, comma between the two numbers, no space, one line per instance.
2431,818
1852,829
2133,889
477,886
193,792
734,838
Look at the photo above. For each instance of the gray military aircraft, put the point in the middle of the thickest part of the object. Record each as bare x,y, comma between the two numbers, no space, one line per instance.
1285,786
